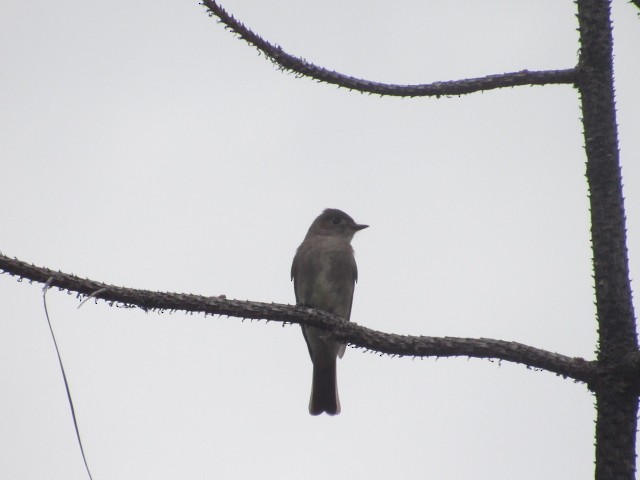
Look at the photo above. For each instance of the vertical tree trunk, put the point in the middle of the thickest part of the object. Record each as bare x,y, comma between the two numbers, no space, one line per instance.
615,436
617,408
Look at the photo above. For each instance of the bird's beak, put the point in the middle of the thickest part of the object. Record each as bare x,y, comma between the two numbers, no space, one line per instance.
360,227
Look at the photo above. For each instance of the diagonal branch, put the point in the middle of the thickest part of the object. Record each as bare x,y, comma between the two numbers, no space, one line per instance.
300,66
348,332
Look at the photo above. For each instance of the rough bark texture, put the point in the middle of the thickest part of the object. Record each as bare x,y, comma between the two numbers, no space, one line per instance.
349,332
617,406
300,66
614,376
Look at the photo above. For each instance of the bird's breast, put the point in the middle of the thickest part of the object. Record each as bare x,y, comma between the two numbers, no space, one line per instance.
325,278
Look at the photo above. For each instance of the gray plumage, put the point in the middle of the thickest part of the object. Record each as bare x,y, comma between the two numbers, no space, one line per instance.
324,273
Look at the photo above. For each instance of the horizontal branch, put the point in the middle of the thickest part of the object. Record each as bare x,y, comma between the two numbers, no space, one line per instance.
348,332
300,66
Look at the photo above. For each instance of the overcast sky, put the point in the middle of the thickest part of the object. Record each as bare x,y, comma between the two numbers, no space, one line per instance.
143,145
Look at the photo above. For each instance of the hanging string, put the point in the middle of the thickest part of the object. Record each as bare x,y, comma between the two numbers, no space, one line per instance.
64,375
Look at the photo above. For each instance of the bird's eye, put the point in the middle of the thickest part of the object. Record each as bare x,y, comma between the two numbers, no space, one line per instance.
335,220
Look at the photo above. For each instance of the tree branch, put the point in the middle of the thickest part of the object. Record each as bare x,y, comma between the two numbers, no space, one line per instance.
300,66
348,332
617,406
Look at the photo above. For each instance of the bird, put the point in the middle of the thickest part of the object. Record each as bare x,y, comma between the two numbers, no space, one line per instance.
324,274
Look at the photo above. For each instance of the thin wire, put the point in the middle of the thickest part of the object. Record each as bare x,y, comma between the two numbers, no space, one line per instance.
90,297
64,376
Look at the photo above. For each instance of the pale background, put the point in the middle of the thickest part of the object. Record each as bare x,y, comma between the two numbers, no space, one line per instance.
143,145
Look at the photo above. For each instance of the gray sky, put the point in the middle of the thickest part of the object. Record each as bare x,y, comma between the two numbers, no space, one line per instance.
143,145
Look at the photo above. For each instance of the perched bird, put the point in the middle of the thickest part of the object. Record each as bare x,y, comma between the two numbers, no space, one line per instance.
324,274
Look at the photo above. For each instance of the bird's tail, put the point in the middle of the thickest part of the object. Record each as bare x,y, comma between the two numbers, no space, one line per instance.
324,390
